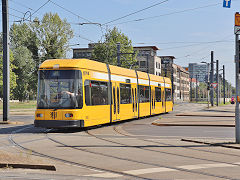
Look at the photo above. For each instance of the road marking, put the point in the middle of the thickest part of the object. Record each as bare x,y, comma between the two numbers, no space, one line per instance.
202,166
105,175
149,170
163,169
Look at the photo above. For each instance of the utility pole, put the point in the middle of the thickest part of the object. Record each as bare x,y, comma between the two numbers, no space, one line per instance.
190,89
196,88
118,54
211,78
237,123
224,88
217,81
6,90
208,84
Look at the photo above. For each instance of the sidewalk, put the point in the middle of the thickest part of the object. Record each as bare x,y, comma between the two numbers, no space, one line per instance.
221,116
20,112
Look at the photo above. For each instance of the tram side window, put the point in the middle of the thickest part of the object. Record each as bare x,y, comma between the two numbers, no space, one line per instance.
158,94
96,93
125,94
168,94
144,94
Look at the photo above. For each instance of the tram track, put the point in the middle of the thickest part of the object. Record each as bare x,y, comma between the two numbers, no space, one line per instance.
175,168
36,153
106,155
152,164
122,132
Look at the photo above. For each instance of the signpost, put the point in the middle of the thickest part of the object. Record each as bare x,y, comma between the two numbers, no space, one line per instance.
214,85
236,31
227,3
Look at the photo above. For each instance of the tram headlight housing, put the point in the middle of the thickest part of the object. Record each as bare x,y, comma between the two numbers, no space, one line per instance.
39,115
68,115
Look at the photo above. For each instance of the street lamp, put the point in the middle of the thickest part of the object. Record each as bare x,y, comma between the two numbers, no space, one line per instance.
208,85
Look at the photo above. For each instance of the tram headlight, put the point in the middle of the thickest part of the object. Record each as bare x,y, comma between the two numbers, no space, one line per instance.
39,115
68,115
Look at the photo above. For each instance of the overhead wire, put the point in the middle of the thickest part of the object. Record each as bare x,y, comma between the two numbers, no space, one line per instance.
206,47
167,14
130,14
22,5
41,7
71,12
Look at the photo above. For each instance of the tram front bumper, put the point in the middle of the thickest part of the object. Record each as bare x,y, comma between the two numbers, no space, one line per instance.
59,123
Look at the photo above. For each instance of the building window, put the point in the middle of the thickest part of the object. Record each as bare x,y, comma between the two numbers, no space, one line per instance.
156,65
142,64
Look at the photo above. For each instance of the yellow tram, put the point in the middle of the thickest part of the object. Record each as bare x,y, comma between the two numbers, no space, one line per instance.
82,93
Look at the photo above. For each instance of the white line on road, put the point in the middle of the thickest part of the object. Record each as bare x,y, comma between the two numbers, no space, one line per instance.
163,169
149,170
202,166
105,175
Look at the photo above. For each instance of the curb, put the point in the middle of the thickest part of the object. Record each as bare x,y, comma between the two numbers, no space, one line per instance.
212,144
28,166
204,115
210,125
12,122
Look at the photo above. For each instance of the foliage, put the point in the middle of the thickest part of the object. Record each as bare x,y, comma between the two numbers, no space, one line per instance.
13,76
106,51
24,68
53,34
34,42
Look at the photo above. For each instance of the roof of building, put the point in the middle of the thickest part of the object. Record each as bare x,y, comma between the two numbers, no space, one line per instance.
182,68
194,80
82,49
153,47
173,57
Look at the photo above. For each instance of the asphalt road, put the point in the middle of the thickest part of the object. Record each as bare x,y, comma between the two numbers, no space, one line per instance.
130,150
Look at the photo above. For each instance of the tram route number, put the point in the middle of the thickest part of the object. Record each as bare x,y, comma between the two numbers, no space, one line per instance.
85,73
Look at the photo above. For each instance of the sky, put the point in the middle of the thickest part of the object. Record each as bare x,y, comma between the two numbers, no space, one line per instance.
186,29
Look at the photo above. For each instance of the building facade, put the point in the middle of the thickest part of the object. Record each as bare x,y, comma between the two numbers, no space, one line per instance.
198,71
179,77
148,61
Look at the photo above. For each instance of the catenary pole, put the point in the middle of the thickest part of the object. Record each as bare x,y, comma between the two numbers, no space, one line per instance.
211,78
237,128
190,89
6,90
217,81
224,88
208,86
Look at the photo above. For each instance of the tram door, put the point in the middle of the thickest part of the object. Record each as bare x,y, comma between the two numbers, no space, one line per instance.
163,100
134,101
115,102
153,100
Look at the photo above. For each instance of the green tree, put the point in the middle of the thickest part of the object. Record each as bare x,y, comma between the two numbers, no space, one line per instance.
34,42
54,35
24,68
13,76
23,36
106,51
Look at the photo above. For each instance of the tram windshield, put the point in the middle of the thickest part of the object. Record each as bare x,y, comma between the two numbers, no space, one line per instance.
60,89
